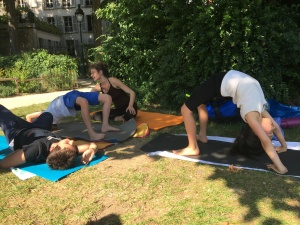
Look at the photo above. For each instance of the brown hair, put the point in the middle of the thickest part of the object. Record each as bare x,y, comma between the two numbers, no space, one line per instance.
247,143
61,159
100,66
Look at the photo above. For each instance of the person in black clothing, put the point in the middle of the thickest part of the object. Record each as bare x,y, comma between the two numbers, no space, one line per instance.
122,96
33,142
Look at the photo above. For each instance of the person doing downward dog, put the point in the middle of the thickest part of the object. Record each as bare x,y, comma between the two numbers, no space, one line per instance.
247,94
122,96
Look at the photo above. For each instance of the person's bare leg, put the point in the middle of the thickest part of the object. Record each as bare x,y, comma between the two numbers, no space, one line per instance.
190,127
85,114
203,120
106,100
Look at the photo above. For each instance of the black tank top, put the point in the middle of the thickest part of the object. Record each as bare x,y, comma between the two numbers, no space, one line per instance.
119,97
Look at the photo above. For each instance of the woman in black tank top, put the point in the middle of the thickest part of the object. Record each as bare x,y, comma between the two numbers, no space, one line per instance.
122,96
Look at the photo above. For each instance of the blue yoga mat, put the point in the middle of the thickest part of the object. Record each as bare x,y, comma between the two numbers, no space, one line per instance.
43,170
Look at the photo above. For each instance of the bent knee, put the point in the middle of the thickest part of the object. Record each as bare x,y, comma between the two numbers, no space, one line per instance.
104,98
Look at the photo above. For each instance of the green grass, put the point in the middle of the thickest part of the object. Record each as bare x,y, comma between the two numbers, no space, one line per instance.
132,188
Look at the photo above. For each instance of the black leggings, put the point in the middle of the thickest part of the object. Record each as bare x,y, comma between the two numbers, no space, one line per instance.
12,124
117,112
205,92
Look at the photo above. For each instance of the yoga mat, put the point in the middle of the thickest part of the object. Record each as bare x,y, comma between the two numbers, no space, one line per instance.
215,152
157,121
78,130
43,170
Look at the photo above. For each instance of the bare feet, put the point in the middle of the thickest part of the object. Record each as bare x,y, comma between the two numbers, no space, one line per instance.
202,138
187,151
96,136
108,128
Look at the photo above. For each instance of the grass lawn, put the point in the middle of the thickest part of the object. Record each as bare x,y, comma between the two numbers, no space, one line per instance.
132,188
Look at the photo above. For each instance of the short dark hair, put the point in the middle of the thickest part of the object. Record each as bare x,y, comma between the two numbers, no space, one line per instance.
61,159
247,143
100,66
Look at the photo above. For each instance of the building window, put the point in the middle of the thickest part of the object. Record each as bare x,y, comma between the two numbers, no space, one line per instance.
21,3
49,4
51,20
88,2
67,3
89,23
68,24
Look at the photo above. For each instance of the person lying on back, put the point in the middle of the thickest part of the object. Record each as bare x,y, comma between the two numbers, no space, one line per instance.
34,143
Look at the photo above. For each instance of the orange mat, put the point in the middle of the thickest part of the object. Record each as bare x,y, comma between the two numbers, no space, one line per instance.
157,121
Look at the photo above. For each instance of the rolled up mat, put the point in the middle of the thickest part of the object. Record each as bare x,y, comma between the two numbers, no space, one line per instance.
290,122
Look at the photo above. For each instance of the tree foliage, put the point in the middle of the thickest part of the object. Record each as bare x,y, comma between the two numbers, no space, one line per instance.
164,49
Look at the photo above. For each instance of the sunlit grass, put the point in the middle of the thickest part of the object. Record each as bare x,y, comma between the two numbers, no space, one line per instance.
132,188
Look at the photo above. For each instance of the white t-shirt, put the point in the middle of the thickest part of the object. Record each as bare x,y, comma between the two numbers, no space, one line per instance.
245,91
58,109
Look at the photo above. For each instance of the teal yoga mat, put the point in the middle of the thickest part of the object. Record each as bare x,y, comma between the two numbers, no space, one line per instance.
43,170
78,130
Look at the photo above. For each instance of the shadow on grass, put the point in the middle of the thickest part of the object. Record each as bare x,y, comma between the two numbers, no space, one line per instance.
254,187
111,219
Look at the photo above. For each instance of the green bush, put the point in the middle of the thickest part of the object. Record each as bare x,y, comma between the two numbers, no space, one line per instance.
7,91
56,72
164,49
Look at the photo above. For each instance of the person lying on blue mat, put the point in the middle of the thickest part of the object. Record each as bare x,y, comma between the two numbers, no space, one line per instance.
34,143
69,103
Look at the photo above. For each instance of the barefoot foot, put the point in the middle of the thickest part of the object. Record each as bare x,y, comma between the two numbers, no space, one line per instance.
202,138
187,151
108,128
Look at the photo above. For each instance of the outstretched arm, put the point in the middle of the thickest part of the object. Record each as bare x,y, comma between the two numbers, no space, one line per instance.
254,121
15,158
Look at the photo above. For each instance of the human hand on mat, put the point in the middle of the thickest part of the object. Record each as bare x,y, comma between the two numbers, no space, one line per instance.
280,149
88,155
273,167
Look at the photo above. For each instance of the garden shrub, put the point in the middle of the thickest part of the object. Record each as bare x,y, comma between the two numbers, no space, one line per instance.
164,49
57,72
6,91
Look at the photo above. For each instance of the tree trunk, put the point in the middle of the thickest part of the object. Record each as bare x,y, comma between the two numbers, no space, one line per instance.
12,23
97,26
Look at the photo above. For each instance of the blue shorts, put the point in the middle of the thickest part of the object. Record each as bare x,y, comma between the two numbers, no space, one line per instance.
70,98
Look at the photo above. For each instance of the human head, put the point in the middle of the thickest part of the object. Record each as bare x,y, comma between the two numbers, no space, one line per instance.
247,143
268,126
62,155
96,69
